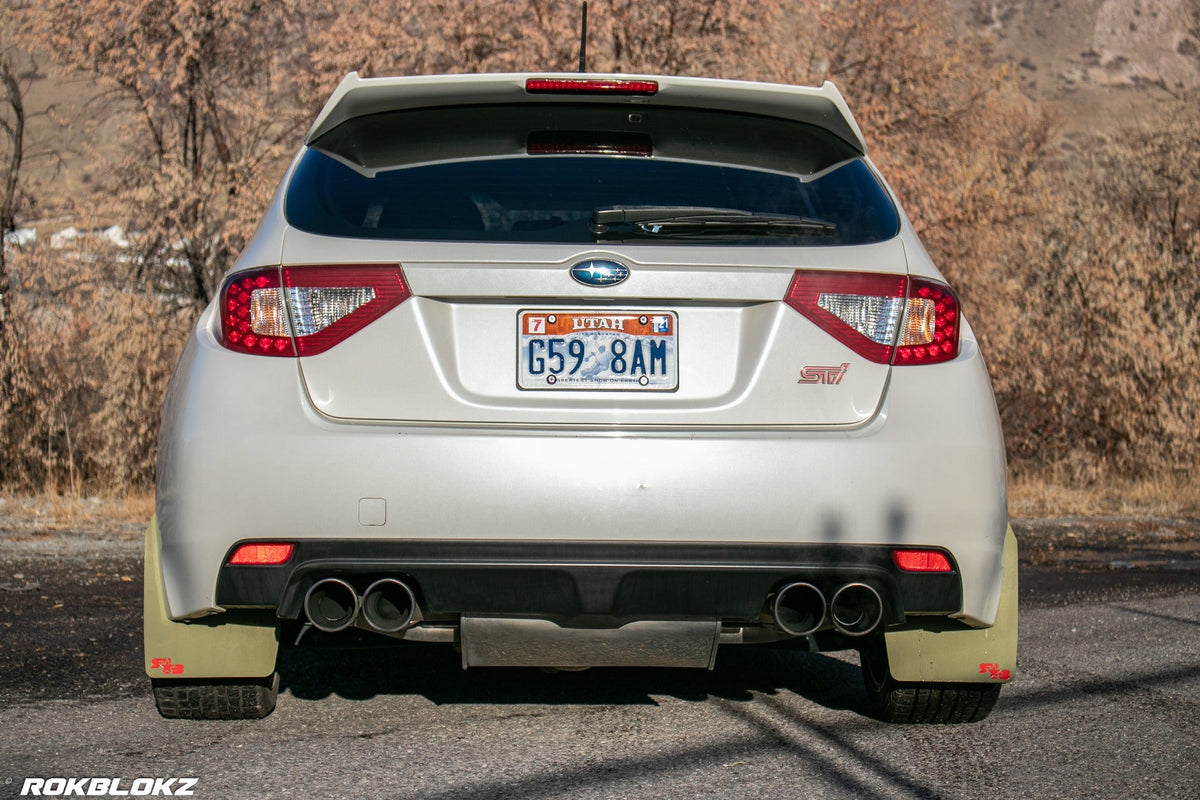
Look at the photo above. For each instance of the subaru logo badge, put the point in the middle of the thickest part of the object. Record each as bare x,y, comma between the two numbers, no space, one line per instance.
599,272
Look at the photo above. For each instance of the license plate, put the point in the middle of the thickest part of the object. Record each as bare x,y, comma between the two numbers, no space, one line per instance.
626,350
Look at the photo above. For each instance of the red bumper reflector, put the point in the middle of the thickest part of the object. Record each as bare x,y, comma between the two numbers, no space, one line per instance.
262,554
590,86
921,561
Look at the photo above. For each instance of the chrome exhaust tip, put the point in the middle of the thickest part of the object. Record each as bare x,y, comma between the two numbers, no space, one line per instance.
799,609
388,605
331,605
856,609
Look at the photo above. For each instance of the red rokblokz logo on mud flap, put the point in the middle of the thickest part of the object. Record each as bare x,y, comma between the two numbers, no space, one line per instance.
166,666
108,787
994,672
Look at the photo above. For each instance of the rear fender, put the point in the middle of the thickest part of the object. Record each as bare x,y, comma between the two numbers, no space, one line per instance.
219,648
948,652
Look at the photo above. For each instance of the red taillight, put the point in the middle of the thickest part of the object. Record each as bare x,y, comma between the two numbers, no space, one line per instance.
884,318
305,310
330,303
262,554
862,310
922,561
930,331
253,314
590,86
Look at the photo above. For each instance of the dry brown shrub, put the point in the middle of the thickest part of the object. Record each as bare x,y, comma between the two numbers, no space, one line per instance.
88,360
1100,366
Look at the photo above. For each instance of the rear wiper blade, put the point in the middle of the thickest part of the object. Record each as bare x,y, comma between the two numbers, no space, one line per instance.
685,221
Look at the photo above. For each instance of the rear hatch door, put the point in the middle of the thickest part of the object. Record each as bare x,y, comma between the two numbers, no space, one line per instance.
614,262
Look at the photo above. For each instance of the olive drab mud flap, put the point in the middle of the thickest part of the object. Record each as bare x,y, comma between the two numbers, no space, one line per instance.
962,655
200,649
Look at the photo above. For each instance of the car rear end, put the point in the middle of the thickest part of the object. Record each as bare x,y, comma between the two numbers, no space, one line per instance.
576,371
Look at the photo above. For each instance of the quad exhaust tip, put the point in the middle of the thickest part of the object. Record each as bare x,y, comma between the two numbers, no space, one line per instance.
388,605
331,605
800,609
856,609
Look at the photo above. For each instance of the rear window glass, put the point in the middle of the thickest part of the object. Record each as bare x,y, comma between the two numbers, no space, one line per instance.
540,172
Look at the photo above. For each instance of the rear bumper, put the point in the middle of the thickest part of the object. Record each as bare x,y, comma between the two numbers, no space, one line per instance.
590,584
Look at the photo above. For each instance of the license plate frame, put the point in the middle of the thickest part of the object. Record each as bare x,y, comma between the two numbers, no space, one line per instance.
646,360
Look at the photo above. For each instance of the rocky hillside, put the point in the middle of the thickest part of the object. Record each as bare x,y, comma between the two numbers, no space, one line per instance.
1104,64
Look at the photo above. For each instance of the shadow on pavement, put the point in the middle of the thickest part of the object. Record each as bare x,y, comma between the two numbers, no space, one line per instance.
435,673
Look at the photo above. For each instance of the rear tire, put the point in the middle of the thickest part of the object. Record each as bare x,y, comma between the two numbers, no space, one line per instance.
922,703
236,698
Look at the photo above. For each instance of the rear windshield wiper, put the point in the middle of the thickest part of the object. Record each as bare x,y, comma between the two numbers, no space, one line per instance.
699,222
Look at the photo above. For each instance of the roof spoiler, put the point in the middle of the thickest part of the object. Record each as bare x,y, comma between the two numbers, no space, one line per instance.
356,96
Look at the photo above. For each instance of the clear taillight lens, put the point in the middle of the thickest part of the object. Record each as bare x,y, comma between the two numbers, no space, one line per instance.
884,318
305,310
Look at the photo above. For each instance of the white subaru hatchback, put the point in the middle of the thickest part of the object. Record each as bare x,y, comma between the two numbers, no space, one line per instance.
583,371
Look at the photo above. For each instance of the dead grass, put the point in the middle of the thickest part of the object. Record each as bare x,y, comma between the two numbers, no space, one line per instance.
1053,494
53,512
